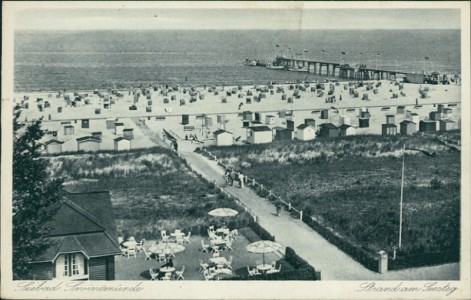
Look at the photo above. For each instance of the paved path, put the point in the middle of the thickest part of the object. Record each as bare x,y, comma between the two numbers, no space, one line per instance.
332,262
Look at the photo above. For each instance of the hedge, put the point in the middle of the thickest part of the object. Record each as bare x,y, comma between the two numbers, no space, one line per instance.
261,232
425,259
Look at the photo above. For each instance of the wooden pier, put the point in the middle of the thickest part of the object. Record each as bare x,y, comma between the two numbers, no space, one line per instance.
337,69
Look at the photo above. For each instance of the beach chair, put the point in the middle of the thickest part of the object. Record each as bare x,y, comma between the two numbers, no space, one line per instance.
153,275
179,239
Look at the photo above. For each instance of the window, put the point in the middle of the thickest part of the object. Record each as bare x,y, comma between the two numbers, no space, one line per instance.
71,265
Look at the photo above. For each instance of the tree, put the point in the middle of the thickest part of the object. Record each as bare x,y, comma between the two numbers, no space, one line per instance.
36,197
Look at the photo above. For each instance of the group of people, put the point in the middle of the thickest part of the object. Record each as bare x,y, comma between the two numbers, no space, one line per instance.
231,176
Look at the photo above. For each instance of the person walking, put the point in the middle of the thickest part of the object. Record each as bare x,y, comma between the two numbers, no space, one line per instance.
241,180
278,209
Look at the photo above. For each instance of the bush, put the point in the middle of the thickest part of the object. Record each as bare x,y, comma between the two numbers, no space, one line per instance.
435,184
261,232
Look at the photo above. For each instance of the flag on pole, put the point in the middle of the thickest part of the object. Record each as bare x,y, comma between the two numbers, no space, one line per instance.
427,58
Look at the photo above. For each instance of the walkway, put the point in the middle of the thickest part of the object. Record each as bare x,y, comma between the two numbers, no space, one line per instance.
332,262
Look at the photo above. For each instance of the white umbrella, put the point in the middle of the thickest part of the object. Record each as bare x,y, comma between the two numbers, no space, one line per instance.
167,248
223,212
264,247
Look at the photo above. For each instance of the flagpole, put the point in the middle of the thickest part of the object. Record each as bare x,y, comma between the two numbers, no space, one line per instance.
402,194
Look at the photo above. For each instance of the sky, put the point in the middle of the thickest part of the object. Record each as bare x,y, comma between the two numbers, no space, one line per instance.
123,18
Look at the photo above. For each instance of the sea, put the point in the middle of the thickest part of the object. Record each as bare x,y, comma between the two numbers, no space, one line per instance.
84,60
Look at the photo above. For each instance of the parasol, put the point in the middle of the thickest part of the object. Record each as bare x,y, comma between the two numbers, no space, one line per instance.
264,247
223,212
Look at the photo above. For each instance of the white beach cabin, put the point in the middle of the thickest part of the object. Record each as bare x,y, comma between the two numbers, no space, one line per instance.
121,144
259,135
222,138
305,132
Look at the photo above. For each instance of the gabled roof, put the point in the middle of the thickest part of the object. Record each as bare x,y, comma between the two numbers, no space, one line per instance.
120,138
259,128
220,131
447,121
303,126
128,129
279,128
53,141
345,126
88,139
84,223
328,126
427,121
407,122
118,124
389,125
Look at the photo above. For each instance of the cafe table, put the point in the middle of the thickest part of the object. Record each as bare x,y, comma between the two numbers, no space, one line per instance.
167,270
130,244
264,267
218,260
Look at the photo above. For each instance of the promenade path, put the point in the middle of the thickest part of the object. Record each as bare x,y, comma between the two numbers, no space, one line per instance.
332,262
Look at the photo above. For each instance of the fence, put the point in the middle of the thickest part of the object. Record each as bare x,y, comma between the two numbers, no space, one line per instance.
258,187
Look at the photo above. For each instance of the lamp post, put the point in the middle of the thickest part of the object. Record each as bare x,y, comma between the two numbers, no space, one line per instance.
402,194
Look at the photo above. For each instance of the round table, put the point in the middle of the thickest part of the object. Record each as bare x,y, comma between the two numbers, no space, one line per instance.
264,267
167,270
174,234
128,244
218,260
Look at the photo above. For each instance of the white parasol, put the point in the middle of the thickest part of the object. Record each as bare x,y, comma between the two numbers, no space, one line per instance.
223,212
264,247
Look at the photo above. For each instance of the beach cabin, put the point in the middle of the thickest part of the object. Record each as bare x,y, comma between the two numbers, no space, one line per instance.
435,115
118,128
208,122
390,119
447,124
282,134
259,135
415,118
247,115
408,127
185,119
223,138
325,114
328,130
347,130
53,146
401,110
88,143
83,238
110,123
121,144
68,130
128,133
447,112
363,122
389,129
269,119
290,125
428,126
221,119
85,123
305,132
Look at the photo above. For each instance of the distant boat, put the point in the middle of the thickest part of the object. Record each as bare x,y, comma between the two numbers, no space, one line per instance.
250,62
297,69
273,66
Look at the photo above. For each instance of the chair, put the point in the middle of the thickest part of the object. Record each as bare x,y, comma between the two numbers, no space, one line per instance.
212,271
215,251
273,270
203,266
186,239
147,254
132,252
253,272
180,273
229,262
153,275
124,251
211,228
228,245
273,264
179,239
207,276
178,231
120,240
233,233
204,247
140,245
167,276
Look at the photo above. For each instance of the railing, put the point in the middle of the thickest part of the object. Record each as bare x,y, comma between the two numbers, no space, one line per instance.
253,183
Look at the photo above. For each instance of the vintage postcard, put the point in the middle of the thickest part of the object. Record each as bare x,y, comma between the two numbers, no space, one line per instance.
235,150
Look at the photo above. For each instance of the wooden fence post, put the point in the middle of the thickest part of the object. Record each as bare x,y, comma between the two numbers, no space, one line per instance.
269,193
289,206
261,187
301,215
253,182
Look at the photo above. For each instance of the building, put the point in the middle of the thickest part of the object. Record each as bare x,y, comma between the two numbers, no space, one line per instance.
328,130
347,130
389,129
121,144
128,133
223,138
305,132
83,240
408,127
68,130
345,120
88,143
282,134
259,135
428,126
269,119
447,124
53,146
118,128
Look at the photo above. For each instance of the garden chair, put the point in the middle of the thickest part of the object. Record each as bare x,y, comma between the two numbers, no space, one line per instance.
274,270
120,240
228,245
203,266
253,272
153,275
132,252
164,235
186,239
147,254
228,264
140,245
124,251
167,277
180,273
179,239
211,228
161,257
212,271
207,276
204,247
273,264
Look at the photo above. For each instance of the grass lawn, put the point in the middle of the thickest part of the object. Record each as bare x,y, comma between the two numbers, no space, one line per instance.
352,185
138,268
151,190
